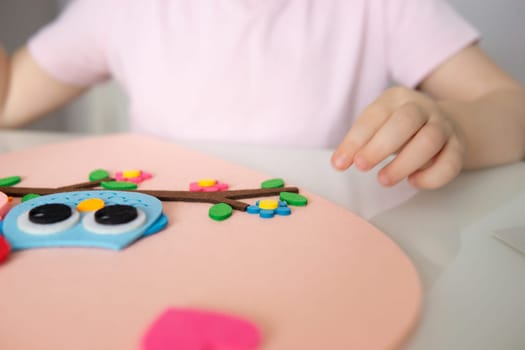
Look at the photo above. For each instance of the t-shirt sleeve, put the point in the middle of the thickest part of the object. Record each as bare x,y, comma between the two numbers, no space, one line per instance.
421,35
73,48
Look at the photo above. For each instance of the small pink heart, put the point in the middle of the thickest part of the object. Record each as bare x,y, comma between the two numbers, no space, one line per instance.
186,329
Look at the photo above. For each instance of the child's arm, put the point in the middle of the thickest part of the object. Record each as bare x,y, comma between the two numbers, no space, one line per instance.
470,115
27,92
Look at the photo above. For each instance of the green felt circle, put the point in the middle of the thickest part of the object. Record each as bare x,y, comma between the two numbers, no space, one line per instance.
220,212
10,181
294,199
29,196
273,183
98,175
119,185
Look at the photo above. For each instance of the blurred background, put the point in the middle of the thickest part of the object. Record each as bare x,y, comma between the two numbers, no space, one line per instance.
501,22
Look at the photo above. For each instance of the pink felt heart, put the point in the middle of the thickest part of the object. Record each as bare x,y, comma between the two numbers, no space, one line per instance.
185,329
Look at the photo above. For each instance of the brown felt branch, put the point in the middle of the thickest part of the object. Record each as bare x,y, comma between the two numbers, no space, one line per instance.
22,191
228,197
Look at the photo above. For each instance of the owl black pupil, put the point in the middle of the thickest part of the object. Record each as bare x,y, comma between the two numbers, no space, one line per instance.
117,214
49,213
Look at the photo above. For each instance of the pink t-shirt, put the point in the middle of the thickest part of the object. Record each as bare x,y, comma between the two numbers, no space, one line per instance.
252,71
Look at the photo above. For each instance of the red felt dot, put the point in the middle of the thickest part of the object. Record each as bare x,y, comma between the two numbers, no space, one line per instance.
5,249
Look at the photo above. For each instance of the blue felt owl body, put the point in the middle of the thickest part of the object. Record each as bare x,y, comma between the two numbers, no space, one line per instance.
61,220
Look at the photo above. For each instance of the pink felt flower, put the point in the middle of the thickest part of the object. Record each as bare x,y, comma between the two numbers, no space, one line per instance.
208,185
135,176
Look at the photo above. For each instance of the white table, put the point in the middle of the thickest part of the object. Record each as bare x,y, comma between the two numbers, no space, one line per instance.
474,285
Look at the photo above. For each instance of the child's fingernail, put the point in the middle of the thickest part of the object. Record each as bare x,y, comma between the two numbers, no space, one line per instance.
360,162
341,161
384,179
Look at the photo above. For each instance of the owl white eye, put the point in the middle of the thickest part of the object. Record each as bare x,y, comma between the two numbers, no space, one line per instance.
48,219
114,219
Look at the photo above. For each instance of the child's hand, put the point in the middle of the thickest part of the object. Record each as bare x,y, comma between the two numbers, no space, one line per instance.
429,147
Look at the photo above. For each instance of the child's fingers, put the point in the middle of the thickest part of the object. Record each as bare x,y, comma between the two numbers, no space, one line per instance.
372,118
426,144
446,166
402,125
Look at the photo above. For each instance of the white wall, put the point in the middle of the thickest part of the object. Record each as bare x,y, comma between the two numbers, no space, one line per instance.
501,22
502,25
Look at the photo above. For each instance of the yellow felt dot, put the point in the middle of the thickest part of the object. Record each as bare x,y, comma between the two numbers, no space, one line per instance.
207,182
131,173
269,204
90,204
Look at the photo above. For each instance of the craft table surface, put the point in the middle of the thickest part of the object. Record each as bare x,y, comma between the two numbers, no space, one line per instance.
474,285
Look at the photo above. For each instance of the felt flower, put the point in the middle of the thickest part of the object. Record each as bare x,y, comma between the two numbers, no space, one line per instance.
134,175
268,208
208,185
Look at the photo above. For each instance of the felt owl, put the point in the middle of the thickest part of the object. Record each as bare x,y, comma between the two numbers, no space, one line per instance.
101,219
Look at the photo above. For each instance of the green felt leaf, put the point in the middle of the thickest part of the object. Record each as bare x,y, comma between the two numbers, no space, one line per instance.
118,185
273,183
98,175
220,212
10,181
29,196
294,199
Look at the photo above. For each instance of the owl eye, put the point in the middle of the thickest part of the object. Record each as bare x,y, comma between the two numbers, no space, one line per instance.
48,219
114,219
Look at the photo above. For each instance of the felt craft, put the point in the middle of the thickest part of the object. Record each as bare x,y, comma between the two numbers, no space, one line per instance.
321,278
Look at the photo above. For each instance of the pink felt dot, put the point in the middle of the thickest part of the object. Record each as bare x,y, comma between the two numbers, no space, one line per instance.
194,187
138,179
210,189
146,175
222,186
185,329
